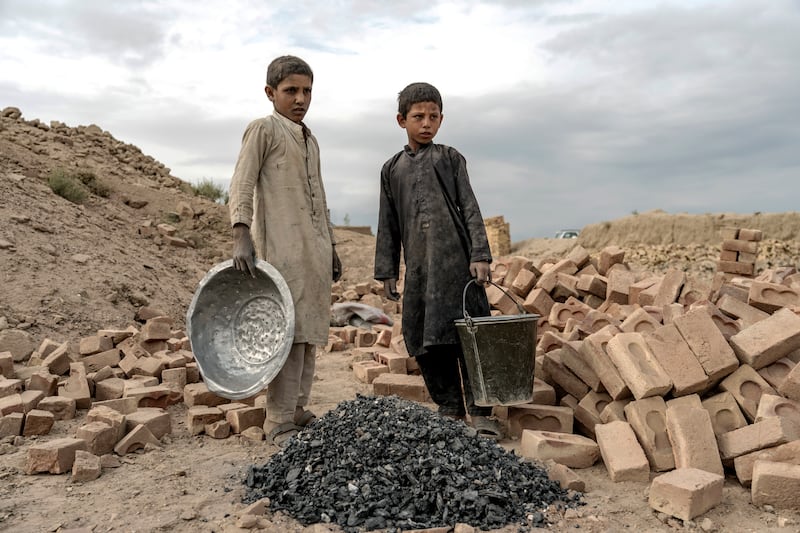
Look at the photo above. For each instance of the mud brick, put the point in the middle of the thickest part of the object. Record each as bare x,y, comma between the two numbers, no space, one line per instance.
609,256
766,341
724,412
9,387
589,408
365,339
118,335
623,456
594,352
174,378
128,364
192,373
728,233
11,425
396,362
227,407
55,456
364,354
686,493
775,374
549,341
199,416
218,430
30,399
153,346
676,359
384,338
86,467
539,417
37,422
543,393
77,386
61,407
399,345
404,386
57,360
563,376
170,359
738,245
595,321
335,344
776,484
707,343
122,405
592,284
565,287
772,406
764,434
740,310
138,438
640,321
747,386
11,404
615,410
94,344
746,234
573,359
573,451
137,382
156,328
647,297
571,308
736,292
155,396
619,282
770,297
726,325
110,417
694,289
565,477
97,361
638,287
638,366
523,282
100,437
735,267
648,418
785,453
515,265
148,366
508,304
367,371
728,256
691,435
6,365
539,302
241,419
670,312
790,388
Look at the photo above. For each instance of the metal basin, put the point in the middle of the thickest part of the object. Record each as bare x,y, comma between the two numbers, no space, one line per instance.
241,328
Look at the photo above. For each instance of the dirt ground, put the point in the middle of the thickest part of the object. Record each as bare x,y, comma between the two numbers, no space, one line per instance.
67,270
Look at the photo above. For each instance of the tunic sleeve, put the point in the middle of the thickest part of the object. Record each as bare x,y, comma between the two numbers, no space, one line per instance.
255,146
388,238
470,210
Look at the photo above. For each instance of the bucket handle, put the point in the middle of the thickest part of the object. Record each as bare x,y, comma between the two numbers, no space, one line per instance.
467,317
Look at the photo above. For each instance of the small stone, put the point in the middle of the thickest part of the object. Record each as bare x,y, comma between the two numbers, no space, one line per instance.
81,258
247,521
707,525
188,515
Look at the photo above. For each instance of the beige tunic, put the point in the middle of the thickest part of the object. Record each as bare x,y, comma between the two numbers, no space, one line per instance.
277,191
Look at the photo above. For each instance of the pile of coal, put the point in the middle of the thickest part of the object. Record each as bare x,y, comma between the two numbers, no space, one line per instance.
388,463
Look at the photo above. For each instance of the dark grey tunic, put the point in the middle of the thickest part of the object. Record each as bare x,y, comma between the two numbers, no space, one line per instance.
414,213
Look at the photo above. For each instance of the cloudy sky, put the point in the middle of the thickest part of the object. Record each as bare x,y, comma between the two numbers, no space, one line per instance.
569,112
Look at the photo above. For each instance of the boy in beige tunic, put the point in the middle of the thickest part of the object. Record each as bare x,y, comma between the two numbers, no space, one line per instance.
279,214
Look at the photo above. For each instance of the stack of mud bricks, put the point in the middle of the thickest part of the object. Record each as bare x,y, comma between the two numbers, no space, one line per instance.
739,251
120,382
667,379
499,236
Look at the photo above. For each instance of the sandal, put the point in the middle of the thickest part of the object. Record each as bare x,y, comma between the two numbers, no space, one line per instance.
303,417
282,433
487,427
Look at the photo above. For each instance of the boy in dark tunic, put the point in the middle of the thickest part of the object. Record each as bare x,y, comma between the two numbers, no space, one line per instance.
427,206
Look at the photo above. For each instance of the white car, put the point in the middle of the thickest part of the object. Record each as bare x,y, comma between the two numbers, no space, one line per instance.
567,234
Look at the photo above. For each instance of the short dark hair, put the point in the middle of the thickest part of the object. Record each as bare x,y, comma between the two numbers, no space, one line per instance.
284,66
416,93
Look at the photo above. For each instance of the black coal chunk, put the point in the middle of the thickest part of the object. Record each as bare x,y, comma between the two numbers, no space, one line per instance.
388,463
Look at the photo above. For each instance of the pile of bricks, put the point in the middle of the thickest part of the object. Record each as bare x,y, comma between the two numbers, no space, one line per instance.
125,380
499,235
739,251
660,373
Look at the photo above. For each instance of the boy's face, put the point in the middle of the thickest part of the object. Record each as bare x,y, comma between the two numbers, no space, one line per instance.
291,97
421,123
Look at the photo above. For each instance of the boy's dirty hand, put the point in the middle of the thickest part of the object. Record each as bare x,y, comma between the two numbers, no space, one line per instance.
337,266
481,272
390,289
243,250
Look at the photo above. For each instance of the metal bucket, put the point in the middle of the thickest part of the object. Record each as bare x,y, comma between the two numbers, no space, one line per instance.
241,328
500,353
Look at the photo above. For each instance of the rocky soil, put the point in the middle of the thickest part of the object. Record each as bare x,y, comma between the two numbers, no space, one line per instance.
67,270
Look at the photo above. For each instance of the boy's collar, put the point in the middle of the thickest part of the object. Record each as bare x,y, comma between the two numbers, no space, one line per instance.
298,127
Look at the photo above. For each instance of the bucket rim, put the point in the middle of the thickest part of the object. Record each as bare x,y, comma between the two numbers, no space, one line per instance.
499,318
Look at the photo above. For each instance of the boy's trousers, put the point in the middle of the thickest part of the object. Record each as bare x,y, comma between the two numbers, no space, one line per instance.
292,386
444,370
